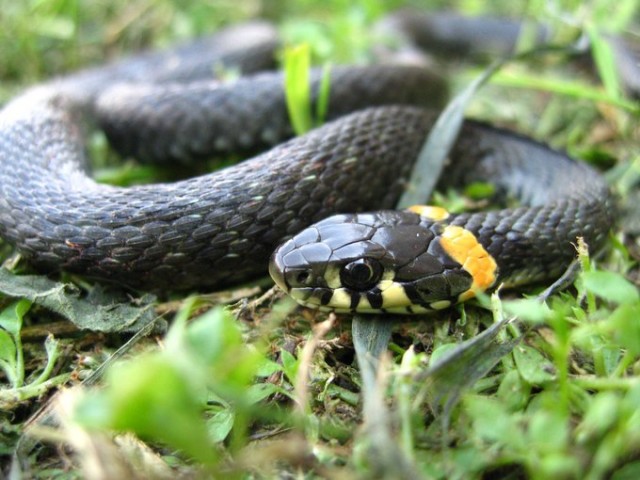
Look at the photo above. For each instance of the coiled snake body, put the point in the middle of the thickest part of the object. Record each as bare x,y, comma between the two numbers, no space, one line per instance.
221,228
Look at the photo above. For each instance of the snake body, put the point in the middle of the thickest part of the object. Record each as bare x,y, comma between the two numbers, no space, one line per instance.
220,228
426,259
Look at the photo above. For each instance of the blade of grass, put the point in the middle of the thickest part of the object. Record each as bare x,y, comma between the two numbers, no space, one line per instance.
604,61
297,61
444,133
322,105
440,140
572,88
371,337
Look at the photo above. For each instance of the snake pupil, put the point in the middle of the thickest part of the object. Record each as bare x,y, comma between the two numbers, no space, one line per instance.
361,274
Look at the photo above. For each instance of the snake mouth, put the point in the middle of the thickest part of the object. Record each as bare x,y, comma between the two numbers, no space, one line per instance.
389,297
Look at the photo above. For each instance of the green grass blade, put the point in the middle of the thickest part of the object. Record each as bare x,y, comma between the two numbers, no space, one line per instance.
604,62
322,105
432,157
297,61
571,88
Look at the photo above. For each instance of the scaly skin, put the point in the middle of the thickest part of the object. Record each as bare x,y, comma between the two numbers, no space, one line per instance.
221,228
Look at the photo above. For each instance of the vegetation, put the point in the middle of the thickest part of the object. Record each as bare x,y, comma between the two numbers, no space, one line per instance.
499,388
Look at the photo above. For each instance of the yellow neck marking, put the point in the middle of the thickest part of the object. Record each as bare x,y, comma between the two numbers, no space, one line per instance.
430,212
463,246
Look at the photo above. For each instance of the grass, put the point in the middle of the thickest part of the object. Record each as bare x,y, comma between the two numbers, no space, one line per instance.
263,389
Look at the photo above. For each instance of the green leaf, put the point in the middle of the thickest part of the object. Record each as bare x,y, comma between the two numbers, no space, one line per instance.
480,190
101,310
259,391
513,391
611,287
11,356
602,414
630,471
462,365
11,317
267,367
528,309
492,421
548,430
290,365
371,336
558,465
297,61
625,327
533,367
154,398
441,351
220,425
52,347
212,352
211,336
607,357
8,355
162,395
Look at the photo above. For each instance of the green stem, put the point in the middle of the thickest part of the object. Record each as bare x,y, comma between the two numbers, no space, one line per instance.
53,355
625,362
9,397
405,398
609,383
19,380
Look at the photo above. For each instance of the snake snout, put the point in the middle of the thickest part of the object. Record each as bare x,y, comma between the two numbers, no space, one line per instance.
295,266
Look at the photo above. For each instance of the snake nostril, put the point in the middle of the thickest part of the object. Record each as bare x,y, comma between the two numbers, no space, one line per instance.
302,277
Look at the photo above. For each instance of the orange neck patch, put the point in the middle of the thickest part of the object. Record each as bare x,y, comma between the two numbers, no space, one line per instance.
463,246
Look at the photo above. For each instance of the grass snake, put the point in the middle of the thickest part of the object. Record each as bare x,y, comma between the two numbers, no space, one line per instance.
221,228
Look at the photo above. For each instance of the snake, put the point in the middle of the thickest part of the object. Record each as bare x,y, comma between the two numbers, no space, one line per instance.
326,197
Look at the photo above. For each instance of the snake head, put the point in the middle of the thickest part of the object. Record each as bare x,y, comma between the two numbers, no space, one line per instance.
387,261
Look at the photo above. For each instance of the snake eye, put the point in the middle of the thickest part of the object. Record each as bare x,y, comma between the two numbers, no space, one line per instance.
361,274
